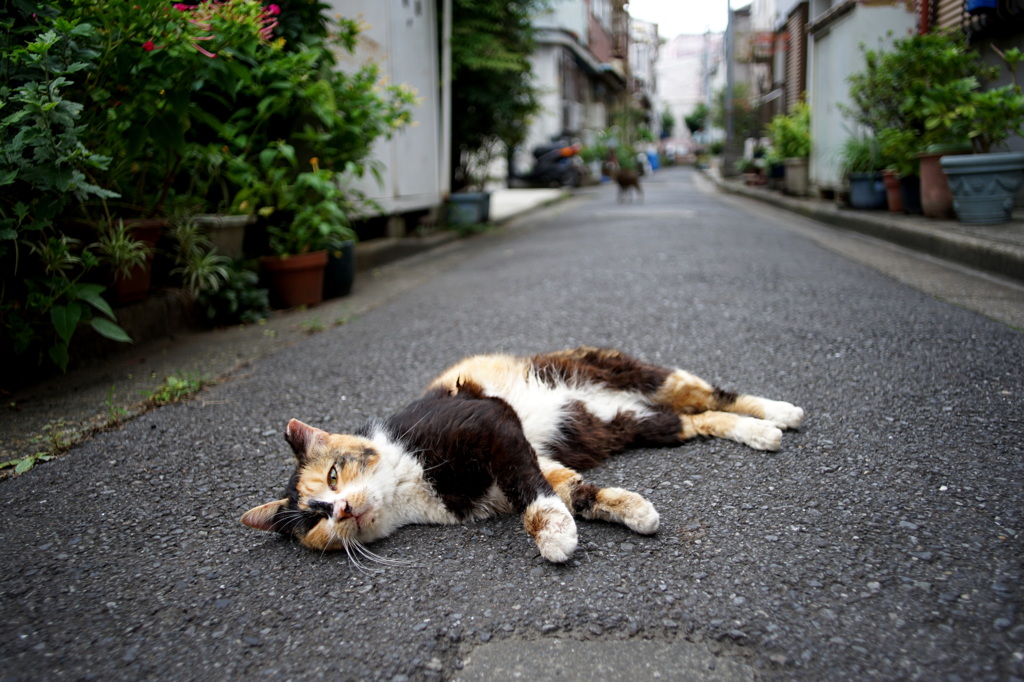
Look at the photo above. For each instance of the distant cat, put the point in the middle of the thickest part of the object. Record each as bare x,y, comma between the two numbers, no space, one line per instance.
499,434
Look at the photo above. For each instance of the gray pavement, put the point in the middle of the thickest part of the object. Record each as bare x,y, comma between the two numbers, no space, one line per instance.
882,542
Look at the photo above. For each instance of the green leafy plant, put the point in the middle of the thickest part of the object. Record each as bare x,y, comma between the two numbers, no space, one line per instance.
931,89
862,154
304,210
114,412
494,95
791,133
23,464
746,112
56,437
312,326
176,388
238,300
964,108
200,267
668,122
697,119
118,250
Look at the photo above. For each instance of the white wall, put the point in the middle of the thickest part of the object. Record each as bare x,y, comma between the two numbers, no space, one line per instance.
402,38
833,55
570,15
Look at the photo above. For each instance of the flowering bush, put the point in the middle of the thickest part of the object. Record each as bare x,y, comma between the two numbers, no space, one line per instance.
107,108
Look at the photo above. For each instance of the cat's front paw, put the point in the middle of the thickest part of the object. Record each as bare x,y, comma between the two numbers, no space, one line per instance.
784,415
626,507
549,522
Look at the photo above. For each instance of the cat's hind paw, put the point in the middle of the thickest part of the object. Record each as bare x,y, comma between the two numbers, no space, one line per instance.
552,527
757,433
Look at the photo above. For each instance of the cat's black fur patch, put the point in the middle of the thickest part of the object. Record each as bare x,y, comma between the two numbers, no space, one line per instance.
597,366
585,441
466,443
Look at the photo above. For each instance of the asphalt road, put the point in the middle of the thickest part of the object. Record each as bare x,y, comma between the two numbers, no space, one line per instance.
882,542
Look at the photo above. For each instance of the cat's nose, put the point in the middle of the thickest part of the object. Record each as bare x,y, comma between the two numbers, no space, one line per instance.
342,510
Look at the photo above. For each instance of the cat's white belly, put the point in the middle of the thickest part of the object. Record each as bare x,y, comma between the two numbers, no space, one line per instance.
542,408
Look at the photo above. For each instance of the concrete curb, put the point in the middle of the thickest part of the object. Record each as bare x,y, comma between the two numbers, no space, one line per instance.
979,248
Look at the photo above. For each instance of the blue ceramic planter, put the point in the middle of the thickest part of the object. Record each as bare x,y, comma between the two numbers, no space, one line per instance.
984,185
867,191
469,208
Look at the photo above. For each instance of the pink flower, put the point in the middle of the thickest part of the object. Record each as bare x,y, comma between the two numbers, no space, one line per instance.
148,46
182,7
273,10
202,51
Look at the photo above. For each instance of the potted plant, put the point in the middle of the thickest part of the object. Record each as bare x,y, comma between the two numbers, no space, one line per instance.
791,138
776,168
983,184
127,250
862,163
303,212
888,97
199,266
901,174
238,300
750,170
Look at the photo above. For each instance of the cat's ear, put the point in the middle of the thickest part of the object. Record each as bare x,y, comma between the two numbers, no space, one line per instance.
302,438
262,517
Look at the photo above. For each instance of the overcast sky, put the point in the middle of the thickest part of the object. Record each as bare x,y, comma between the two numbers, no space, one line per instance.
684,16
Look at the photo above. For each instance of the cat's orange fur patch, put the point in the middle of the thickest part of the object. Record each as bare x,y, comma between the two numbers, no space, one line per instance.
748,404
616,500
483,370
685,393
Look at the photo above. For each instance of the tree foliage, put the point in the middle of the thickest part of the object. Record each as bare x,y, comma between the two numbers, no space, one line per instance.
493,95
697,119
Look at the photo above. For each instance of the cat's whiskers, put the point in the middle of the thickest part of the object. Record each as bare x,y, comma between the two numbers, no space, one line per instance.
353,544
376,558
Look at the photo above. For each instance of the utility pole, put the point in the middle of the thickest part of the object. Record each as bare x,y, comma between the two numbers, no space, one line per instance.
730,152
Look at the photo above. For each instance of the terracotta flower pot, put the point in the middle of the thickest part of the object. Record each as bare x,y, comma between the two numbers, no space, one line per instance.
295,280
892,191
134,286
936,199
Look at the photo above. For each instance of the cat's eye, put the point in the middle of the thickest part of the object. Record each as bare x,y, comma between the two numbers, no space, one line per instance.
332,478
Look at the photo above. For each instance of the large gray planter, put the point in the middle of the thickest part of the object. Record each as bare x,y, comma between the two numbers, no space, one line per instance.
984,185
226,232
796,176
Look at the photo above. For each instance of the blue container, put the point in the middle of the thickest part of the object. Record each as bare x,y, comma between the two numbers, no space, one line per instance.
867,190
469,208
976,6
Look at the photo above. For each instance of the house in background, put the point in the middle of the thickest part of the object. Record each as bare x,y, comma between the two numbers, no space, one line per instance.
644,44
817,47
690,69
837,30
581,69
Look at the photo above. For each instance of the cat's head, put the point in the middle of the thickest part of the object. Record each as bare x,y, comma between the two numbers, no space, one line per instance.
329,503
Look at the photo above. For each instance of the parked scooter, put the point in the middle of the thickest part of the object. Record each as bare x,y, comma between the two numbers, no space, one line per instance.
556,165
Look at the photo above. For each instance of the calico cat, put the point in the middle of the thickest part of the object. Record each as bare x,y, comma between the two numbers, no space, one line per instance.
499,434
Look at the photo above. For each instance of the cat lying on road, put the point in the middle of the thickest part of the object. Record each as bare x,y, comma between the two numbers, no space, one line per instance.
499,434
